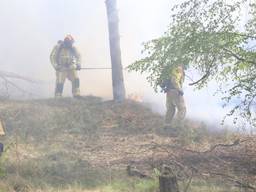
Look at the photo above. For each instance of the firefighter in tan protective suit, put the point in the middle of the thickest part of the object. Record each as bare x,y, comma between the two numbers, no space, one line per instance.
2,134
174,96
66,60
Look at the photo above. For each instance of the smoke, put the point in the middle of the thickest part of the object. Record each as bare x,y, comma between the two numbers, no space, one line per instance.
30,29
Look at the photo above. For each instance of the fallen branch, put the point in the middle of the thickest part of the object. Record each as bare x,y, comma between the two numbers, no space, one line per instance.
6,76
15,76
235,143
167,147
7,81
133,171
232,179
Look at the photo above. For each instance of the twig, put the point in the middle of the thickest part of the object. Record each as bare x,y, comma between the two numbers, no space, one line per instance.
190,78
189,182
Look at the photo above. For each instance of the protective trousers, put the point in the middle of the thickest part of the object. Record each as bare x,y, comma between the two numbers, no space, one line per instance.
174,101
60,80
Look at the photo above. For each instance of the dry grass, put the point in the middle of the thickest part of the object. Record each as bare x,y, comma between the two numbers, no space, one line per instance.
76,145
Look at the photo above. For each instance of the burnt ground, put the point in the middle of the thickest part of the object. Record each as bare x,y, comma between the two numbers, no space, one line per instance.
67,140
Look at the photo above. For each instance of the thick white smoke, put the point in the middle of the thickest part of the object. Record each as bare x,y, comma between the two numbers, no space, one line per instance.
30,29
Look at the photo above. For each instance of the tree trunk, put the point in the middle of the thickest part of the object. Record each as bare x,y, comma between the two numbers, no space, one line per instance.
168,180
115,52
168,184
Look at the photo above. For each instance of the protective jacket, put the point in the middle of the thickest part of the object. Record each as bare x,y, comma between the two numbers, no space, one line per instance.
177,77
65,58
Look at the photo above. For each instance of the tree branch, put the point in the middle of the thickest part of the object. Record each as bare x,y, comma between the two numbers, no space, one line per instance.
207,74
201,79
235,55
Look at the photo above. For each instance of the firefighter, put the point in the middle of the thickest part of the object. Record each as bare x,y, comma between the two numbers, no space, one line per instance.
2,134
66,60
175,103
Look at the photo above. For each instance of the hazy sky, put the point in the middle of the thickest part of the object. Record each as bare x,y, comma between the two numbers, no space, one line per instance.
30,28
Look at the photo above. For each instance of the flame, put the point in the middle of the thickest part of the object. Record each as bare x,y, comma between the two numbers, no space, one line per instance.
135,97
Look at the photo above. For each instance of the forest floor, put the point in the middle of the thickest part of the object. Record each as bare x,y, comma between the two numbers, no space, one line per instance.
88,145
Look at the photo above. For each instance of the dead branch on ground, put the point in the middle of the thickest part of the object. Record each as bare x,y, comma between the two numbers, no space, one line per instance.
6,76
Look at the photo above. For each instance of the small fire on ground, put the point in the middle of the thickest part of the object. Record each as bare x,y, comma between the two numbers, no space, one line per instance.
135,97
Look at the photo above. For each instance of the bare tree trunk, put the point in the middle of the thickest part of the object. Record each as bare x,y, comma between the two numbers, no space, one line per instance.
168,180
168,183
115,52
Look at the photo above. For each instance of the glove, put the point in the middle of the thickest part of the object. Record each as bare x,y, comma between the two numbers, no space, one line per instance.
165,85
181,93
78,67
